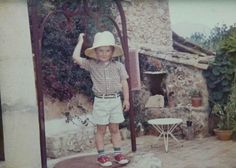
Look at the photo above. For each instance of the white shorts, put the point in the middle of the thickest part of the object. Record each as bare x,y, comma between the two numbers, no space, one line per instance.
107,111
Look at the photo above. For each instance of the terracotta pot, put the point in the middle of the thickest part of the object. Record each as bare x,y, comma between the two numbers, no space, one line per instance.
223,134
196,101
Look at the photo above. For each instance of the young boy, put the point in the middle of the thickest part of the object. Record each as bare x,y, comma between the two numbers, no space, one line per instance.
109,79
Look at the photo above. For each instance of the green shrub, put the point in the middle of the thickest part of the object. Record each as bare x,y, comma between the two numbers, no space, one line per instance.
219,78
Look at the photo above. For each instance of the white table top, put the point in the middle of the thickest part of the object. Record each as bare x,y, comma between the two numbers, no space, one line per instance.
165,121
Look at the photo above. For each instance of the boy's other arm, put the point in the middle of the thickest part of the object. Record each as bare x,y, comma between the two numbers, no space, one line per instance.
77,50
125,89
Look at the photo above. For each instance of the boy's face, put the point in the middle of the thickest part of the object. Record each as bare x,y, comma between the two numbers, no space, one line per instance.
104,53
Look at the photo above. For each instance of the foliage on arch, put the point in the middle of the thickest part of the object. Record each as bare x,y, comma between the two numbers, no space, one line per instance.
62,79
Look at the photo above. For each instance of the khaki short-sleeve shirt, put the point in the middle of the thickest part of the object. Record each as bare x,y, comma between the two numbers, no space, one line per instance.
106,77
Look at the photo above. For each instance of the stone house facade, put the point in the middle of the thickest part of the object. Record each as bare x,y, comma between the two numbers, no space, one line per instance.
161,50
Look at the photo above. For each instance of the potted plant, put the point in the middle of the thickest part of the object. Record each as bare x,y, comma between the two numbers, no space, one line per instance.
196,97
224,128
227,117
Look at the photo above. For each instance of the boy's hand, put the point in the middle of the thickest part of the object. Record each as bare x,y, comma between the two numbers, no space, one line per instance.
81,37
126,105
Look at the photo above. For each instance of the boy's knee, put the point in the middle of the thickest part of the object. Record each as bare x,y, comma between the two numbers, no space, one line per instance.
101,130
114,130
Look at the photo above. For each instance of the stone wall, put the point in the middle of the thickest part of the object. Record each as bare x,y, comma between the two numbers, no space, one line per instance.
69,138
79,105
148,24
180,79
66,138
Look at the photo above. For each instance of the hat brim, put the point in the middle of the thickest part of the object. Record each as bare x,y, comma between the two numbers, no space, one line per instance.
90,52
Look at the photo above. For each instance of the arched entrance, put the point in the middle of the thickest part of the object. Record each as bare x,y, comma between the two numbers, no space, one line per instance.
37,29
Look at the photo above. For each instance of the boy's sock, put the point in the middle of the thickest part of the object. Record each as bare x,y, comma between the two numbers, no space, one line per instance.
117,151
101,152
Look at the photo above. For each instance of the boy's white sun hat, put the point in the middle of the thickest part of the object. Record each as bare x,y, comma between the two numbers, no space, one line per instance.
101,39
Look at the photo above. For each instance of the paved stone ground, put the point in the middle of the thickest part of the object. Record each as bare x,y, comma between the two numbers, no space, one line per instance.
198,153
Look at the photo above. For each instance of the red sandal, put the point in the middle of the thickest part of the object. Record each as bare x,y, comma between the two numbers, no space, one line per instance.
120,158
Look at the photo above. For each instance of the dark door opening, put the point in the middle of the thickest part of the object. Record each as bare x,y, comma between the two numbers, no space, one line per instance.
2,158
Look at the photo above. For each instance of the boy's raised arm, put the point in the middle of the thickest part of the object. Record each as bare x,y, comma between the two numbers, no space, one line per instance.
77,50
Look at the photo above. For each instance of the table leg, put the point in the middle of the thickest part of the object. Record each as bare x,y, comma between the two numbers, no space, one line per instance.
166,138
171,130
166,131
160,130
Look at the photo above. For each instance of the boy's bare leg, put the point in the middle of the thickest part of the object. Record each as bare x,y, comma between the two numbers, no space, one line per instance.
116,141
101,130
102,159
115,135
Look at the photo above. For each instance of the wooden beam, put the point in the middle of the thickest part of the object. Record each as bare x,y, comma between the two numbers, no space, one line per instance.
188,49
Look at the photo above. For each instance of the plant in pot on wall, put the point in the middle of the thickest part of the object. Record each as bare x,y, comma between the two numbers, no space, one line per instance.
227,117
196,97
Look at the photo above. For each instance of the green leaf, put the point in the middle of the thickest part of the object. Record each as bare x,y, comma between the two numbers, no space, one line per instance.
212,77
217,95
224,82
216,71
223,70
226,89
206,74
211,85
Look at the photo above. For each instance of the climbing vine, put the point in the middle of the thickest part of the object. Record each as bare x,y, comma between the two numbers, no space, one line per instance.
219,78
221,73
62,79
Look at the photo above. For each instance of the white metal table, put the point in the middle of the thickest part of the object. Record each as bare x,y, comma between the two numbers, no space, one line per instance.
165,126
